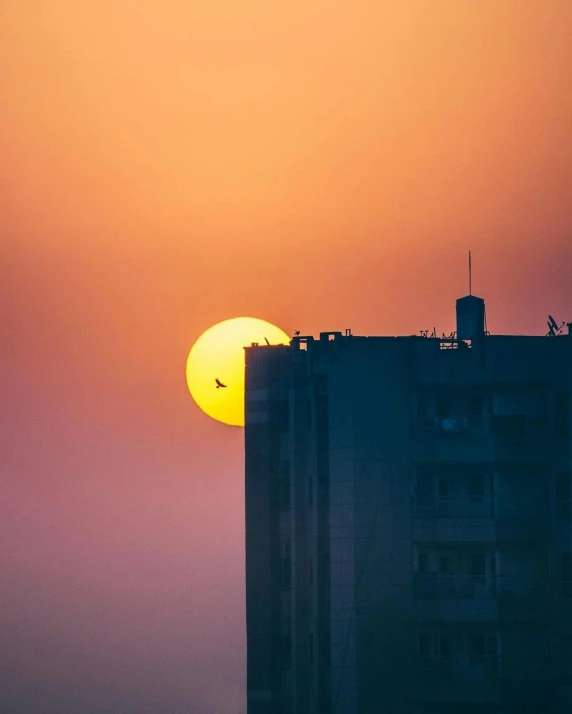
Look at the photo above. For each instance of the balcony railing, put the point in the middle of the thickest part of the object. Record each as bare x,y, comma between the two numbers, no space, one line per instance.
453,507
428,586
462,666
448,428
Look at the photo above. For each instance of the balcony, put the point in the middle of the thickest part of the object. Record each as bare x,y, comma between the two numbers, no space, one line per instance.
453,507
455,439
430,586
451,598
450,429
485,680
470,666
457,679
466,519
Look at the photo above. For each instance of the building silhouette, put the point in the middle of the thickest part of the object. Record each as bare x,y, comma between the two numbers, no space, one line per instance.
408,523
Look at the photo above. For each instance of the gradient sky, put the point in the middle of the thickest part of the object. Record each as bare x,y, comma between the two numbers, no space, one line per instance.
167,165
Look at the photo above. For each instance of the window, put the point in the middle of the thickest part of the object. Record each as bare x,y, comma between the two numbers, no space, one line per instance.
477,486
285,572
284,493
444,648
311,572
424,645
423,487
445,566
563,495
310,492
311,648
475,407
477,647
477,565
286,651
423,562
508,426
481,648
566,574
443,487
443,408
562,415
282,411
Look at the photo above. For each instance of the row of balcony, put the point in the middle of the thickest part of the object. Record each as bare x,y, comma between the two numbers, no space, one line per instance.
509,427
471,507
485,666
430,586
468,506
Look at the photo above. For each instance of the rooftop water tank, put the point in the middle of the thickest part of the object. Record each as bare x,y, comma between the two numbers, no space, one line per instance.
470,317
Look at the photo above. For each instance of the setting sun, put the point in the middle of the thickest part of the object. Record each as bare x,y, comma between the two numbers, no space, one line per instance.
215,366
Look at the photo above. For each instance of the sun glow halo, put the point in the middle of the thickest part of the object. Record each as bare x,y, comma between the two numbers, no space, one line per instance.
219,354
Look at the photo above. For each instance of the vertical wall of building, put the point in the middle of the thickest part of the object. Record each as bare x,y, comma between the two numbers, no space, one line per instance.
267,494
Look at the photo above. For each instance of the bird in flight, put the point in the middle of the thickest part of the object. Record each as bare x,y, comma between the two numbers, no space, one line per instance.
219,384
266,338
296,333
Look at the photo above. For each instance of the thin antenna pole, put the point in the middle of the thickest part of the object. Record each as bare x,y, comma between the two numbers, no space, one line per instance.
470,276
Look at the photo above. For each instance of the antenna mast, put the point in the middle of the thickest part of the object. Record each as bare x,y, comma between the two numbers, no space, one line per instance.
470,276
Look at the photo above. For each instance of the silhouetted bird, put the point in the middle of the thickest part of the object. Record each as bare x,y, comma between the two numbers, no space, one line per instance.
266,338
296,333
219,383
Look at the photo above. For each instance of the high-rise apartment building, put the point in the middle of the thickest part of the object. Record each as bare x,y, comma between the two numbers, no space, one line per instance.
408,523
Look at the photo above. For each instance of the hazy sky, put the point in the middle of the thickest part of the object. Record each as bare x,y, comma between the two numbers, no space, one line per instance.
166,165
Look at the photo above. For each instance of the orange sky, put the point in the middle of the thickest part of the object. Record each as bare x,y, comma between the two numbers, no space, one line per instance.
169,165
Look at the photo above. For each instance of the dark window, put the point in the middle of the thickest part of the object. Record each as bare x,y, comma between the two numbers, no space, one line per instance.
311,648
476,406
562,415
285,570
477,648
423,563
283,468
421,406
508,426
445,648
284,494
424,645
423,486
477,485
566,574
310,492
311,572
477,565
443,408
282,415
563,495
445,567
286,651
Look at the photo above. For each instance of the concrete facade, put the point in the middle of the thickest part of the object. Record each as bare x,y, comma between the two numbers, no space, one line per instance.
409,525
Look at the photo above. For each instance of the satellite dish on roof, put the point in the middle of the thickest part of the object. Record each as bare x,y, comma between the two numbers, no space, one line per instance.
553,327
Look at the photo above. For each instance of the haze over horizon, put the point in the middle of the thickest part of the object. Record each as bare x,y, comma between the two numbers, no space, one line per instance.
166,167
